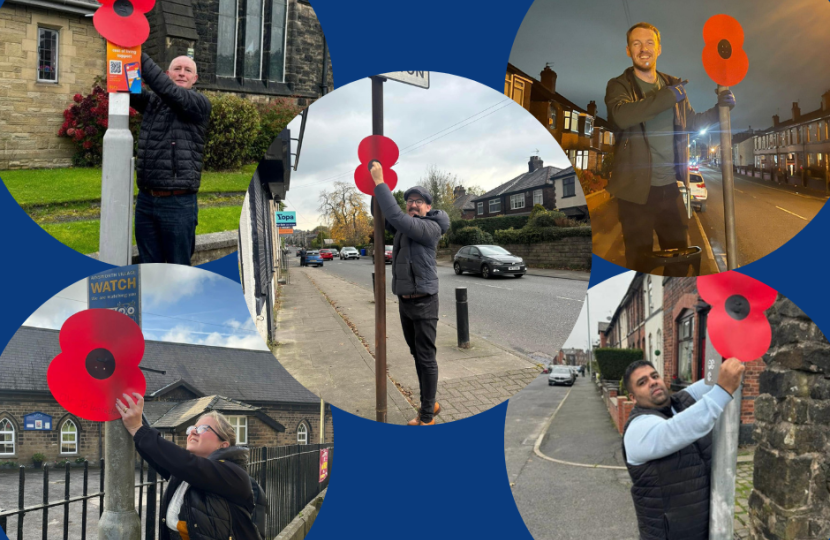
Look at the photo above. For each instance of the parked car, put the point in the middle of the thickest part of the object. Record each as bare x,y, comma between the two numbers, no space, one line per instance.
313,258
327,254
698,189
387,254
694,168
349,253
561,375
488,261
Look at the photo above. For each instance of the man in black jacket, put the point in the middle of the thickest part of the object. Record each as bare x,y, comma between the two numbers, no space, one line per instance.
171,147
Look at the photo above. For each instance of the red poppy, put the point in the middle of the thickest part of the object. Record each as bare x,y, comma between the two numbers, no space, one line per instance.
384,150
100,353
737,325
724,59
123,21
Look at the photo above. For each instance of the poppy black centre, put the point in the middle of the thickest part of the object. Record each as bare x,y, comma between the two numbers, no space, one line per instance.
123,8
100,364
737,307
724,49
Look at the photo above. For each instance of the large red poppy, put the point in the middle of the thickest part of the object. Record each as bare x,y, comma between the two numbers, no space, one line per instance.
385,151
737,324
123,21
100,353
724,58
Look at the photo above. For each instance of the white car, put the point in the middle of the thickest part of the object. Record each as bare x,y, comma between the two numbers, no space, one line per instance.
349,253
699,192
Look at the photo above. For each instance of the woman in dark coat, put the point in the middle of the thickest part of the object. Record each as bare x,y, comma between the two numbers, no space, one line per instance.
209,494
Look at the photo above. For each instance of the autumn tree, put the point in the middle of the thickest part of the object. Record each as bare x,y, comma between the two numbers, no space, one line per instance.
344,208
441,185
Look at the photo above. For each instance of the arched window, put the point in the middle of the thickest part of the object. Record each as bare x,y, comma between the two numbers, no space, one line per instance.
69,438
6,437
302,434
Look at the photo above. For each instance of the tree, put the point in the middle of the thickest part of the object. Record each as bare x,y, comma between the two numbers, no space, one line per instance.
344,209
478,191
441,185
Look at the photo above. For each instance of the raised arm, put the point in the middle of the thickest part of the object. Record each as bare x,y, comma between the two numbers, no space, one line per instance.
623,112
187,103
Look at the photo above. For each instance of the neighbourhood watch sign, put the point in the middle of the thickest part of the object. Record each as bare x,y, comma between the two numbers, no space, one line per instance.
118,289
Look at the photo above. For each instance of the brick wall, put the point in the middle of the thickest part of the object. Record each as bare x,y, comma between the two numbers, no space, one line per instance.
564,253
32,112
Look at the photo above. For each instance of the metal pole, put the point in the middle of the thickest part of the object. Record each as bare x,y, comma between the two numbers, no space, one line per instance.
588,320
116,233
380,270
322,421
687,182
462,318
728,183
119,520
724,470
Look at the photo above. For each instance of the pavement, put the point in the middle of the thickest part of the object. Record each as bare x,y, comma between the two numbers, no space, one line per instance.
564,462
326,334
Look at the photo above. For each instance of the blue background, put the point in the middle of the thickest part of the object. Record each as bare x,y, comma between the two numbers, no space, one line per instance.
392,481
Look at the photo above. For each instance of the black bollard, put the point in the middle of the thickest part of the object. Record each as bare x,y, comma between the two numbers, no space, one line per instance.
462,318
373,281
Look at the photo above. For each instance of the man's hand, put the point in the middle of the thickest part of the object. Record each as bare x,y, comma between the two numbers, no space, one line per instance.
679,91
726,98
131,413
731,372
377,172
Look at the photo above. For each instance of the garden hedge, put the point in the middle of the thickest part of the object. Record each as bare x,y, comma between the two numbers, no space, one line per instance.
529,235
612,362
491,225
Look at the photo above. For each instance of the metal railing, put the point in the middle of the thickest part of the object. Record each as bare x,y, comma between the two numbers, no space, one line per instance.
289,476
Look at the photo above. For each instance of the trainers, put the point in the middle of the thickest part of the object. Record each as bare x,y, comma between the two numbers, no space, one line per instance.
417,420
430,423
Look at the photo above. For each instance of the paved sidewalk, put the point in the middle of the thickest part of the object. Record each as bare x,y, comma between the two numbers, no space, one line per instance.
542,272
470,381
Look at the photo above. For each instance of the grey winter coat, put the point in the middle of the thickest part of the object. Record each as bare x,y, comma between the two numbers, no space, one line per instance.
416,238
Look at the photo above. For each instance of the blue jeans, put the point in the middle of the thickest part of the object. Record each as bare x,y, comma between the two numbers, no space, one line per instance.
165,228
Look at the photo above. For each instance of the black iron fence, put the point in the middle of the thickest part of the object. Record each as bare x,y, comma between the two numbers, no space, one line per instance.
289,476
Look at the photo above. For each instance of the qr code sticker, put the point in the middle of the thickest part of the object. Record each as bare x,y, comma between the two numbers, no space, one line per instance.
115,67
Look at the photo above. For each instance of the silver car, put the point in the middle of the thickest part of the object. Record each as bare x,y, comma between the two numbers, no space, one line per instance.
349,253
561,375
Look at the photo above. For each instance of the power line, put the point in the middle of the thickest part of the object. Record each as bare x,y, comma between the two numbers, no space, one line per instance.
627,13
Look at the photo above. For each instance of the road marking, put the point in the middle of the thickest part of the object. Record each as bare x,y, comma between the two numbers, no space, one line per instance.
755,181
706,245
793,213
538,452
566,298
738,190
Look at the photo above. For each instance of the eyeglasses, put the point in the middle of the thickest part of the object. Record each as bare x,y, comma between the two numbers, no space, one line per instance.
416,202
202,429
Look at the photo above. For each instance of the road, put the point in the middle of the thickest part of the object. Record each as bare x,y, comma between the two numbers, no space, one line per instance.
532,314
766,216
559,501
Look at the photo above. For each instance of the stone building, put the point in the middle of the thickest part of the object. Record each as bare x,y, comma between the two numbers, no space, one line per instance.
553,188
51,51
267,406
790,499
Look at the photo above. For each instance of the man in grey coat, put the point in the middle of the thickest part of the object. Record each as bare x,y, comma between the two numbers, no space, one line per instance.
415,280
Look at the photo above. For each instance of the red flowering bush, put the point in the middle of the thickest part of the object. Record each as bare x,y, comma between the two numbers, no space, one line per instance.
85,121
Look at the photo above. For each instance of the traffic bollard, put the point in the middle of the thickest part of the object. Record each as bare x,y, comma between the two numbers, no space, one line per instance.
373,281
462,318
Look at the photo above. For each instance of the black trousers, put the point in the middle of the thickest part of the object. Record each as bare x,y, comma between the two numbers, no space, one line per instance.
419,318
664,214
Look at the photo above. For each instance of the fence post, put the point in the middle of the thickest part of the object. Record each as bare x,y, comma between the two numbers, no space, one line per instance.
45,524
22,484
66,504
150,520
119,520
83,505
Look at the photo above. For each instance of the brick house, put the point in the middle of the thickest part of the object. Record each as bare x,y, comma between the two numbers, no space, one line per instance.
51,51
464,202
626,329
553,188
267,406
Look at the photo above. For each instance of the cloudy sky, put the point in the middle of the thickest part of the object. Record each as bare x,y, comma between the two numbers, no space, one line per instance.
457,125
179,304
604,298
788,45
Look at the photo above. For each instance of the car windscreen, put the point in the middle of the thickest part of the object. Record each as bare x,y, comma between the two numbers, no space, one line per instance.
493,250
388,248
564,370
695,178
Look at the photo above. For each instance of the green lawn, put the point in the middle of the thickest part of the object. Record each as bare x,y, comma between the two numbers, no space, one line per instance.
82,236
49,186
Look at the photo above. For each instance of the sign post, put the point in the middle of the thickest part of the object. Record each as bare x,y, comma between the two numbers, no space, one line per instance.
380,269
728,183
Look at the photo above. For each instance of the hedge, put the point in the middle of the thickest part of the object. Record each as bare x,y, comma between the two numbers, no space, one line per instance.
543,234
471,235
234,126
491,225
612,362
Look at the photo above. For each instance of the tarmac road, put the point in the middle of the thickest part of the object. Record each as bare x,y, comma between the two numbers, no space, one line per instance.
532,314
766,216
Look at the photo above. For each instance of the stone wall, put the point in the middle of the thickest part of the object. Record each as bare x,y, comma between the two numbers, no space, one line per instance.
565,253
31,112
790,499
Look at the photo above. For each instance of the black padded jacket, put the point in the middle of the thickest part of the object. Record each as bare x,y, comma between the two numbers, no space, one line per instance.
219,501
671,494
171,143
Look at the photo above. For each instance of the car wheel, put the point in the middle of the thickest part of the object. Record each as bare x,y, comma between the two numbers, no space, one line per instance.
702,207
485,271
457,268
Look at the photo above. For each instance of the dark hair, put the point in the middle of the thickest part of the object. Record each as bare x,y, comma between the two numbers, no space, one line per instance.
645,25
631,368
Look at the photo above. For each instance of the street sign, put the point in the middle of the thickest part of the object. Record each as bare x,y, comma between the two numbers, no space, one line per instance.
118,289
286,219
415,78
285,231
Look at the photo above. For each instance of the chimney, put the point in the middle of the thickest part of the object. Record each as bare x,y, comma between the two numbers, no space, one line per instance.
548,79
535,163
592,109
775,120
825,101
458,192
796,111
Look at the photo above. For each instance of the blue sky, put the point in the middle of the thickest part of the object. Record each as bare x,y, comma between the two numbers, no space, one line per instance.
179,304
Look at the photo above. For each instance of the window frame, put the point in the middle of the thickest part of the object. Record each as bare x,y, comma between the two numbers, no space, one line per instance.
302,429
541,194
284,41
235,422
686,320
234,40
589,126
570,181
13,431
56,55
480,208
490,204
515,199
75,432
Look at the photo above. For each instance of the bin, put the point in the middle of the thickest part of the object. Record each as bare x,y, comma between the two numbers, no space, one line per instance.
362,252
